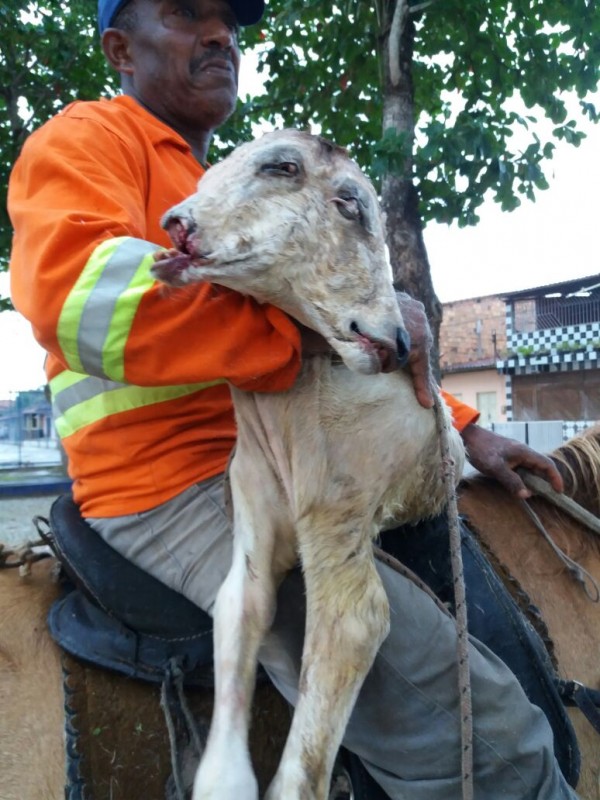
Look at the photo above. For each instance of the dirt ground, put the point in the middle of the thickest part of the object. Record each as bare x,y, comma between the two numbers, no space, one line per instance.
16,515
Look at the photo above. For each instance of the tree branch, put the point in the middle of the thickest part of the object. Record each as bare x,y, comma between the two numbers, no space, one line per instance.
396,31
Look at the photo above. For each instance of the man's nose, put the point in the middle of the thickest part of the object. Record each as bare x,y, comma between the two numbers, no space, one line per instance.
216,34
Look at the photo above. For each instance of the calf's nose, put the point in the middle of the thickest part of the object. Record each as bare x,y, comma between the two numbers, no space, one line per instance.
179,229
391,342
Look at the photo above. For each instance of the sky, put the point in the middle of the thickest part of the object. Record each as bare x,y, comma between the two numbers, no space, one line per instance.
555,239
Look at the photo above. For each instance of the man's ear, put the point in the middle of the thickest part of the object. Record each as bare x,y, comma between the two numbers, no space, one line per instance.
117,49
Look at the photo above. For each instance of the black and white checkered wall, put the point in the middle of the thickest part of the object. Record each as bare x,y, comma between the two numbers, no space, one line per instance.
572,336
567,349
554,350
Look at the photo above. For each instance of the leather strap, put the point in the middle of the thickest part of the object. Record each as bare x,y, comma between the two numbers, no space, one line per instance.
586,699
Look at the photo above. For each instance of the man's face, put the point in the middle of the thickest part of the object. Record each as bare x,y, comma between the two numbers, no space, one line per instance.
185,61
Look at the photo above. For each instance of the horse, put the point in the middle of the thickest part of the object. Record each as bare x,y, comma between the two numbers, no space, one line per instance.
32,757
113,727
32,723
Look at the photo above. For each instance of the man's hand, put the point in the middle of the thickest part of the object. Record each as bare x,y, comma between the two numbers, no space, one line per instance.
415,322
499,457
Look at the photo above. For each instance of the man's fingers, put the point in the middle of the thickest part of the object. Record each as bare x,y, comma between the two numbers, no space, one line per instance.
420,371
424,396
548,472
512,482
540,465
421,379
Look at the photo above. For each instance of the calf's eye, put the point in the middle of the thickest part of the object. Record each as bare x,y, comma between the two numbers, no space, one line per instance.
348,207
289,169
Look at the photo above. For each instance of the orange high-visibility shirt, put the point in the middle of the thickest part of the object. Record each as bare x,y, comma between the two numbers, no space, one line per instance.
462,415
140,371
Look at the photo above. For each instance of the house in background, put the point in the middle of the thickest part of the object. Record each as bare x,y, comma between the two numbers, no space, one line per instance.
529,361
552,360
28,417
472,339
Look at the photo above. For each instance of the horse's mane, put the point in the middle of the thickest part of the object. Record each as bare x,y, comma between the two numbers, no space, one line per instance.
578,461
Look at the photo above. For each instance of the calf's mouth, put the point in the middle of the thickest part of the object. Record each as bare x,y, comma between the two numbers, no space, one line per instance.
175,266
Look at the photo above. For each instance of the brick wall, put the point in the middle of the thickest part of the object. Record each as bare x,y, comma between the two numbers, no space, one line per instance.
468,330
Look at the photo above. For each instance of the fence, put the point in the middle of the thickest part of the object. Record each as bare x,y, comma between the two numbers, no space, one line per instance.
543,436
21,453
549,313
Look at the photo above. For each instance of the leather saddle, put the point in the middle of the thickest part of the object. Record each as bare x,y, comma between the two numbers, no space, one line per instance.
116,616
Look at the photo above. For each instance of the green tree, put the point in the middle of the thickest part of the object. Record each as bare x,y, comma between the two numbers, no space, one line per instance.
438,100
49,56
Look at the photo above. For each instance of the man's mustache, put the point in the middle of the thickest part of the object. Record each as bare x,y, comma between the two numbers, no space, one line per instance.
210,56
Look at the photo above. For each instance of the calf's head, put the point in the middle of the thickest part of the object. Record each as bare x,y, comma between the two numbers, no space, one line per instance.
290,220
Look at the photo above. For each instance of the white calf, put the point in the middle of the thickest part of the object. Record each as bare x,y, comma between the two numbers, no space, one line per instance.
319,469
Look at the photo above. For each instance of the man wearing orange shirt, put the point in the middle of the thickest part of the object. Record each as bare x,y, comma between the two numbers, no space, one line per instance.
139,384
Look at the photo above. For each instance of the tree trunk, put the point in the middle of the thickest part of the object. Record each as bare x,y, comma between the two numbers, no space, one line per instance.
399,196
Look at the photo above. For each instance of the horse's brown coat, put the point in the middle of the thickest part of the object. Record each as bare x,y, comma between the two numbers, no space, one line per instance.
31,716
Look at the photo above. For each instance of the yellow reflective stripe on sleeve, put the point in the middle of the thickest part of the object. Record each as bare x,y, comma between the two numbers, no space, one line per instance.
72,310
98,313
113,352
75,410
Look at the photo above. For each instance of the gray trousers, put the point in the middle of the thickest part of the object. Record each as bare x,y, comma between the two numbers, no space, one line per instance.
405,725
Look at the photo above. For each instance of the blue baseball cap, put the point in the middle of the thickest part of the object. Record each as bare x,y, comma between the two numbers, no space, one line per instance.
247,11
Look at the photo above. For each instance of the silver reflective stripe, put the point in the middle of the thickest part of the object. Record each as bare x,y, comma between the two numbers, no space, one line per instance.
101,303
80,392
81,400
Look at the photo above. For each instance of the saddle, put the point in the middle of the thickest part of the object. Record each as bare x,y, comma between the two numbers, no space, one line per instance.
116,616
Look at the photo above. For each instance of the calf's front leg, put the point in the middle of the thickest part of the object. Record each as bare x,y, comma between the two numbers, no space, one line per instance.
347,618
243,612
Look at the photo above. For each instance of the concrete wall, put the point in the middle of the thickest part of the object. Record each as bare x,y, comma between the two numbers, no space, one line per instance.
481,389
